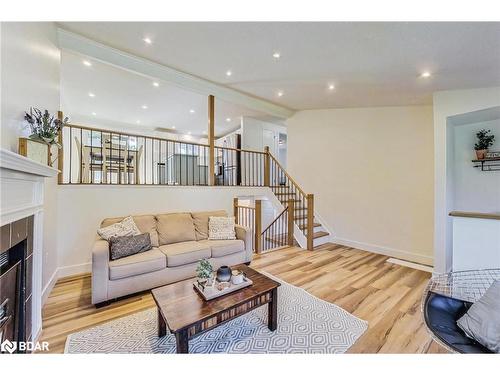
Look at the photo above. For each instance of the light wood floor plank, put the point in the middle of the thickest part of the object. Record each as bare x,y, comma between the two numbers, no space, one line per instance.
386,295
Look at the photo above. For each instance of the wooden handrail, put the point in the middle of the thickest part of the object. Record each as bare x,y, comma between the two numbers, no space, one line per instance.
275,219
241,150
288,176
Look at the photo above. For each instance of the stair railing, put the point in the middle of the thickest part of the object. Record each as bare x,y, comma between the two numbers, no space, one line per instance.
279,233
285,188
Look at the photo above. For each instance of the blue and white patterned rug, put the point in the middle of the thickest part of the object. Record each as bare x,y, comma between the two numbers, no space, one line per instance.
306,324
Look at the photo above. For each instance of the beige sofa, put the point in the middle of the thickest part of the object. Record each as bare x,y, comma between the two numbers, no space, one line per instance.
179,241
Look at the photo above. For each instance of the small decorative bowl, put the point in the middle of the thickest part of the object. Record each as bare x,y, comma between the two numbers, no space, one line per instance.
223,285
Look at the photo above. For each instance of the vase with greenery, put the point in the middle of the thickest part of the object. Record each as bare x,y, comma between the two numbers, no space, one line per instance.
205,273
44,126
484,141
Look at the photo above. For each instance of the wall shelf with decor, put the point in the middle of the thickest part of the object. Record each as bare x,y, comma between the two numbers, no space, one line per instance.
487,164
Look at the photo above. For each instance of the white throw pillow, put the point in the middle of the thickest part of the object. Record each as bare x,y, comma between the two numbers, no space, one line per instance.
221,228
126,227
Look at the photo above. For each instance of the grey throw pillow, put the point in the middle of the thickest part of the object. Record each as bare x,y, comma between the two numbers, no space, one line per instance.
482,321
129,245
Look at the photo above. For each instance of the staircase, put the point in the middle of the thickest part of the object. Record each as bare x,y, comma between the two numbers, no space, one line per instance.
288,192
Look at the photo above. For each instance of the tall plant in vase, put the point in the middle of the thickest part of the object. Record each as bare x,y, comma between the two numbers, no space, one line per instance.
484,141
44,126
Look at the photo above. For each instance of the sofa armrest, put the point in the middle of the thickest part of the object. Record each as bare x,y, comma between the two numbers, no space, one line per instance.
100,271
245,234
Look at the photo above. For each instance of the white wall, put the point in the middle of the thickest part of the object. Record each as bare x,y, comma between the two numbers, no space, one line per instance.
371,171
82,208
474,190
253,134
30,64
445,105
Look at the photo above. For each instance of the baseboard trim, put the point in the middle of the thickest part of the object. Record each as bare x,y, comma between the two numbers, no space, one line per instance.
61,272
393,253
49,286
416,266
73,270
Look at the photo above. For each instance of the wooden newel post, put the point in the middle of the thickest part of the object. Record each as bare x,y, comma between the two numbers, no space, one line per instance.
310,221
258,226
235,210
267,167
291,210
60,151
211,140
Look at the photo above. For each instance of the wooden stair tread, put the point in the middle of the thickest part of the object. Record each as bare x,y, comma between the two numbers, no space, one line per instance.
282,193
320,234
304,227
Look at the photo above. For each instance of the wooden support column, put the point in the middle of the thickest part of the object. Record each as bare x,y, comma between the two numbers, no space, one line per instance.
211,140
60,151
235,210
310,221
258,226
291,211
267,167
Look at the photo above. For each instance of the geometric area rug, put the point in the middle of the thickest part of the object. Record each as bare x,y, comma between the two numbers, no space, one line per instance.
306,324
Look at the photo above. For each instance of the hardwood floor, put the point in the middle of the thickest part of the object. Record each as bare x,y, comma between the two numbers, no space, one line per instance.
385,294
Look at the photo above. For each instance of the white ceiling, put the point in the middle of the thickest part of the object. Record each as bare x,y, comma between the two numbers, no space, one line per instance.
120,95
371,64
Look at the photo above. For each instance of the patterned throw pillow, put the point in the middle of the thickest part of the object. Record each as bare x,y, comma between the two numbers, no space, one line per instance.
221,228
121,247
126,227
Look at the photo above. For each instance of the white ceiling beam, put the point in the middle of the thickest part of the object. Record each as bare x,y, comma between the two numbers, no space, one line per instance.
88,47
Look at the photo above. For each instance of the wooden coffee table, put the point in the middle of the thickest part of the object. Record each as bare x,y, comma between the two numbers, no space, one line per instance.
187,314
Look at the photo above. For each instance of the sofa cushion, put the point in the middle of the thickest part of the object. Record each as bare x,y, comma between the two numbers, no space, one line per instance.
182,253
173,228
126,227
201,222
121,247
145,223
222,248
137,264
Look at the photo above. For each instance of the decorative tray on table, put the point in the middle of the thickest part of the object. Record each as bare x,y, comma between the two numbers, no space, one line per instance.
209,292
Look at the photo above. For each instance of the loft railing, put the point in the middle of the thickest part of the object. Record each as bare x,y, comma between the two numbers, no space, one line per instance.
98,156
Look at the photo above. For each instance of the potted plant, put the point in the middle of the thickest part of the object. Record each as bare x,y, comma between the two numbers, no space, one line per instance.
205,273
484,141
44,127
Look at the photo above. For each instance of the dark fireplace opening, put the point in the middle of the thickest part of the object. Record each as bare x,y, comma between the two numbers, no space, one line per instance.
16,272
12,295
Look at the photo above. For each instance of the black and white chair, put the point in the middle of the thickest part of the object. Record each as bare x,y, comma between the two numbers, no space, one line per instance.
447,298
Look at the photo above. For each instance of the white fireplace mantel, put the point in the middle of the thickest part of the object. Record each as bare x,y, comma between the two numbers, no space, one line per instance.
21,191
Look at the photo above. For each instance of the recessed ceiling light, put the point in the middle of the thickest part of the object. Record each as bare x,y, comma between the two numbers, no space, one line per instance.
94,114
156,84
331,87
204,132
173,127
91,94
144,106
138,122
87,63
191,111
425,74
281,93
228,119
229,73
189,133
147,41
276,55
